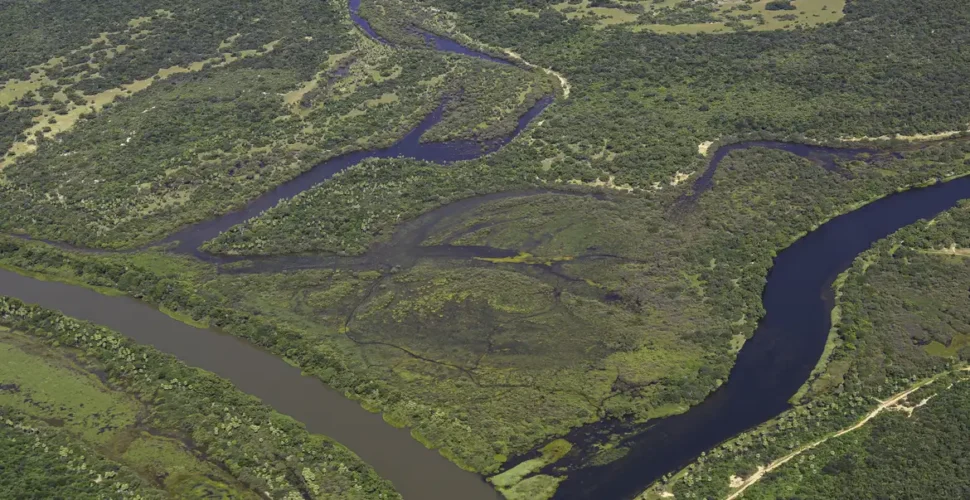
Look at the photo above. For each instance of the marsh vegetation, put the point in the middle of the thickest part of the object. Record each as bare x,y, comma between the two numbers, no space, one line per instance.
607,287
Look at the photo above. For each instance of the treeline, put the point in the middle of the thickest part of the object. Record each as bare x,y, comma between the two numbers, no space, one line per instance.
195,403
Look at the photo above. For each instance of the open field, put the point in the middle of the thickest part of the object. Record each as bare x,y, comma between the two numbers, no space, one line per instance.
702,16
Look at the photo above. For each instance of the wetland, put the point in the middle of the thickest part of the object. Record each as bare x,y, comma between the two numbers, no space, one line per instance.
444,259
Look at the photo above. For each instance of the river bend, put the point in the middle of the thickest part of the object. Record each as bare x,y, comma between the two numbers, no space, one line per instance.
770,367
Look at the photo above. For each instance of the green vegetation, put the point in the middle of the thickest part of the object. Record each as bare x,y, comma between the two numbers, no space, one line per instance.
674,16
512,485
917,450
362,205
639,124
149,138
488,326
88,414
487,359
903,318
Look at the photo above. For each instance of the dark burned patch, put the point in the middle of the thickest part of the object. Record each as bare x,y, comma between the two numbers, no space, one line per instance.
9,388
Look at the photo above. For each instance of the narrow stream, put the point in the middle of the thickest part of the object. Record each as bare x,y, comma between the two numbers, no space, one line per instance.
769,369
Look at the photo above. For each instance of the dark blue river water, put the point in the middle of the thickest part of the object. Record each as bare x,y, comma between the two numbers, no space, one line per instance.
410,146
786,346
769,370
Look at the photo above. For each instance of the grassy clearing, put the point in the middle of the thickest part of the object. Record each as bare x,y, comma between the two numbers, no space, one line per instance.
711,16
50,123
949,350
183,475
52,388
515,484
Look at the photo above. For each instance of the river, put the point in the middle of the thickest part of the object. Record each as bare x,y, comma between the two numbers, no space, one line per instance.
779,358
770,367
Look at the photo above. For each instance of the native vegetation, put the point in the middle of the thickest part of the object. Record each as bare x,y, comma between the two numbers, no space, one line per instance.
903,321
599,285
149,138
487,358
642,103
87,413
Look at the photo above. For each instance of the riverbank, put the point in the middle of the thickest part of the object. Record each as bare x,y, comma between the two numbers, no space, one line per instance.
390,451
294,346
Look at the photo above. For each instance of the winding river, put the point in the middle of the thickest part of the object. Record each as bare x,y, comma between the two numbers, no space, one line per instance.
779,358
770,367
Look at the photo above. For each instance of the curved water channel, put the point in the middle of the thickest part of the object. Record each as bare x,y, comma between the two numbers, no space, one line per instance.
770,367
778,359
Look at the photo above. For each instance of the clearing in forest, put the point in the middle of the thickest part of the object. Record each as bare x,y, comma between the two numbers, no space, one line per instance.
701,16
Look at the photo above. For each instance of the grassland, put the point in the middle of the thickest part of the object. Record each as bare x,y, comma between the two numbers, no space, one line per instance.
45,386
706,16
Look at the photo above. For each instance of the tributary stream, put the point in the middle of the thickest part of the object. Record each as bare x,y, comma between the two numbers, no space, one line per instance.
770,367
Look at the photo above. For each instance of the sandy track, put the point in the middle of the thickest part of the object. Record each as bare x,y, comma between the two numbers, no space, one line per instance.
888,404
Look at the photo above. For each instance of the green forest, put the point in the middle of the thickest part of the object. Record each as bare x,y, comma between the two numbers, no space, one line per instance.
577,275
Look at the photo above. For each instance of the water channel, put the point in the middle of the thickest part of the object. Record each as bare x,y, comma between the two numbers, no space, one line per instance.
770,367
